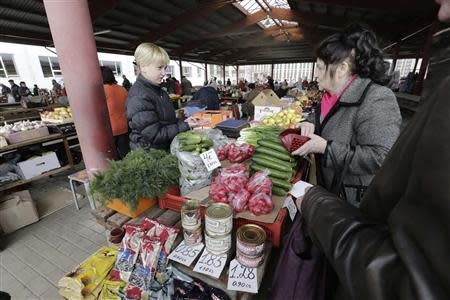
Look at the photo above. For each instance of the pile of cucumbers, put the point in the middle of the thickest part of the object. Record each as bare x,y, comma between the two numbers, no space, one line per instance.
270,154
191,142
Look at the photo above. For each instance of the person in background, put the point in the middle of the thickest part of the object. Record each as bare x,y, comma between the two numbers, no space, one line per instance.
126,83
228,82
209,94
170,84
358,120
35,90
14,90
395,246
177,86
24,91
213,83
56,87
5,90
116,97
186,86
241,85
270,83
248,109
150,113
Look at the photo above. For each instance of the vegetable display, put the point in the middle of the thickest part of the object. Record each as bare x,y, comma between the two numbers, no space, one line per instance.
191,142
286,119
234,153
233,186
252,135
21,126
140,174
271,156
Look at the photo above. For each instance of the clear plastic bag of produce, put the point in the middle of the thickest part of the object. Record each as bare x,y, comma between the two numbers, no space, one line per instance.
230,180
260,204
260,183
194,174
239,200
235,153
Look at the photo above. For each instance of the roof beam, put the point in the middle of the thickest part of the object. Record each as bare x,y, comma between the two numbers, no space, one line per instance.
98,8
190,16
398,6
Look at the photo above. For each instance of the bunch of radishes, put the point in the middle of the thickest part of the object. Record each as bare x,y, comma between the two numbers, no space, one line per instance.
233,186
234,153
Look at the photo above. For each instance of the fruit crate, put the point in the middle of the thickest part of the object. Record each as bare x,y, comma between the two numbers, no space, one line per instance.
273,230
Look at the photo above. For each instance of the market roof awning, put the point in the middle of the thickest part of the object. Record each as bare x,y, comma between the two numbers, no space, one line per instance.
227,31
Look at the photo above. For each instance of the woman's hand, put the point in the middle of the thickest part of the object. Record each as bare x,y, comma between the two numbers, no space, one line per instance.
316,144
196,121
306,128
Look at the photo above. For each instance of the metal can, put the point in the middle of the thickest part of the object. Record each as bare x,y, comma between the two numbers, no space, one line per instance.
219,219
218,244
192,234
249,262
190,213
250,240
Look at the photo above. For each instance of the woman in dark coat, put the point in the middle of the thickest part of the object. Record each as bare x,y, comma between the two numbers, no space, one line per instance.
396,245
358,119
150,113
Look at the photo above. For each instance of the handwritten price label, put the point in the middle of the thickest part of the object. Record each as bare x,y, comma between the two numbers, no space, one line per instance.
291,207
210,159
185,254
241,278
211,264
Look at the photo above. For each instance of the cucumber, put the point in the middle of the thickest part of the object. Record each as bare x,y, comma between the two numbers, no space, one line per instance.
195,139
188,148
281,183
272,165
273,153
277,191
274,160
274,139
274,173
272,145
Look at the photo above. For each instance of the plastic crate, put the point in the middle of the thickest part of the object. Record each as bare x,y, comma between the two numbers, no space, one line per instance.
273,230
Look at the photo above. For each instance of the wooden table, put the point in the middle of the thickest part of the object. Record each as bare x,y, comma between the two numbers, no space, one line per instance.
111,219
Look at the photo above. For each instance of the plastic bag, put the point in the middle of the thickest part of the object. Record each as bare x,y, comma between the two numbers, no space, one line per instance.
239,200
260,182
235,153
230,180
194,174
260,204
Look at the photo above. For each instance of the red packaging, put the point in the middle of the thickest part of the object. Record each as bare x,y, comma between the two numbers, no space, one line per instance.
239,200
260,182
260,204
292,139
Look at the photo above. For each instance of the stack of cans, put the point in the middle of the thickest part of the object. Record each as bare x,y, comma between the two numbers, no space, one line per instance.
250,244
218,226
191,222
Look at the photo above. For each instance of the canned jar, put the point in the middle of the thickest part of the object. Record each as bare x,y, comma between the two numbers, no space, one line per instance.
249,262
190,213
218,244
192,234
219,219
250,240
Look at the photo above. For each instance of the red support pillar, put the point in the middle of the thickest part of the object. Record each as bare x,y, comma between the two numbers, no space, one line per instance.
181,70
77,54
271,71
237,74
313,69
206,72
425,59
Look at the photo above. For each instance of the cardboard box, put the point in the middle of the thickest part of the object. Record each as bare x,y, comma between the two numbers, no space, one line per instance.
17,137
214,116
37,165
16,211
266,104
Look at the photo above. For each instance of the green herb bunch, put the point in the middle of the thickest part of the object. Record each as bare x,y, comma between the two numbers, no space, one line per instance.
141,174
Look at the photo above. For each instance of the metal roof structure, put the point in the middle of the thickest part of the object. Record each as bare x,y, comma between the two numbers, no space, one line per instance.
229,31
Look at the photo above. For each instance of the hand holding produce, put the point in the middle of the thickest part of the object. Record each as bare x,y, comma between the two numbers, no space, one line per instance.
191,142
285,119
306,128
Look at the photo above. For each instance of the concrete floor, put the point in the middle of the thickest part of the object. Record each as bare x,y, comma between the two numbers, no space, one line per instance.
34,258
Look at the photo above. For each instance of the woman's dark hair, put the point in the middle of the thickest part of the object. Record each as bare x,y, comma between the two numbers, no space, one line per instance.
108,75
360,45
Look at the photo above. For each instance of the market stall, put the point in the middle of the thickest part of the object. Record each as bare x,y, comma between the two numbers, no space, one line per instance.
214,209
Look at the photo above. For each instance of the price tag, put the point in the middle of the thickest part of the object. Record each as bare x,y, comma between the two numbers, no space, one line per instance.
289,203
241,278
211,264
185,254
210,159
